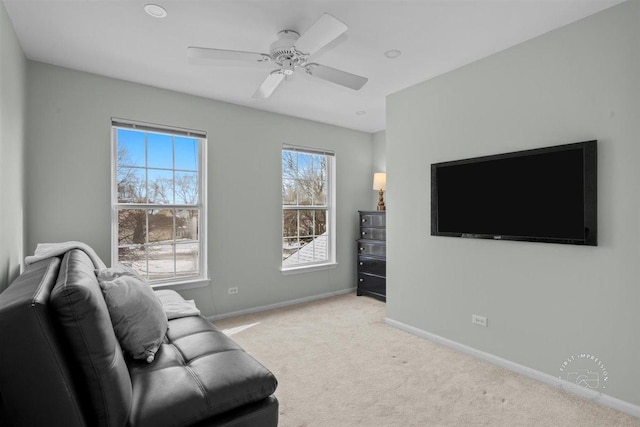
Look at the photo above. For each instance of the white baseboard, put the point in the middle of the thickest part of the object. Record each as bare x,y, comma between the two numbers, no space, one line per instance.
279,305
575,389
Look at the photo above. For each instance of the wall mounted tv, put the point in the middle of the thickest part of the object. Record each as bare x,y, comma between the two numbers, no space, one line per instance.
541,195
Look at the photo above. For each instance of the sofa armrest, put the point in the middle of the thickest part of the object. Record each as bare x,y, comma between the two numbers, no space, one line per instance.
36,378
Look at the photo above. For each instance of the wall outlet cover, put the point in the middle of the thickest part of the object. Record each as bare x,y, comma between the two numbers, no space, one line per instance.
479,320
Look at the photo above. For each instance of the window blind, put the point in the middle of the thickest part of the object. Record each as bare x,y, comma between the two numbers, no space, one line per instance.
127,124
308,150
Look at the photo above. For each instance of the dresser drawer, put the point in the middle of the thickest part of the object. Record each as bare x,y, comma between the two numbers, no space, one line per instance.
372,265
372,248
372,220
373,233
373,284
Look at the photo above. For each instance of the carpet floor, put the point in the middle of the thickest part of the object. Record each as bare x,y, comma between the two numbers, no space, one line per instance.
338,364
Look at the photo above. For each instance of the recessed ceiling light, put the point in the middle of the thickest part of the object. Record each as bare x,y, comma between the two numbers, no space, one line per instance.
361,113
392,54
155,10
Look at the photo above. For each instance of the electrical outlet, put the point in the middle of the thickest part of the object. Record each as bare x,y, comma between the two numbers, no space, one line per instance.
479,320
233,291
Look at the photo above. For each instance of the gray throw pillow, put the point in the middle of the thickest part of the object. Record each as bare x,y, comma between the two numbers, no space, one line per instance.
136,312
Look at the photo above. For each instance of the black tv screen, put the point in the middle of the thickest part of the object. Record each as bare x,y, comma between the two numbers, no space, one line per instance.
541,195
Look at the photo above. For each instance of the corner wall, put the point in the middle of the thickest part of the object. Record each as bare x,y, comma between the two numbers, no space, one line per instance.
544,302
379,161
12,141
68,180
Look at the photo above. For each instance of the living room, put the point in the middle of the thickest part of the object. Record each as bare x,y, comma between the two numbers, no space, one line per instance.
544,302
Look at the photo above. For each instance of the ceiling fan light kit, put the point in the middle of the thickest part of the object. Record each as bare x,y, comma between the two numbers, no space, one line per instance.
290,52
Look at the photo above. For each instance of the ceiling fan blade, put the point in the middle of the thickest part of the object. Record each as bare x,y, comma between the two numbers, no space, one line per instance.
321,33
269,84
203,54
342,78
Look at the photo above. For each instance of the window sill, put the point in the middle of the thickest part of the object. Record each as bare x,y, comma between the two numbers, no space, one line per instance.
308,268
181,286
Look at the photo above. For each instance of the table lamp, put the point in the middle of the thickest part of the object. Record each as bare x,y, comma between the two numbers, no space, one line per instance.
380,184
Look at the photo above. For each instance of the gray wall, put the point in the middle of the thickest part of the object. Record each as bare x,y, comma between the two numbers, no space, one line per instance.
12,141
68,160
544,302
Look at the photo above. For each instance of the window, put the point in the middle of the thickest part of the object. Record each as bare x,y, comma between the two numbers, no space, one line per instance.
307,207
158,202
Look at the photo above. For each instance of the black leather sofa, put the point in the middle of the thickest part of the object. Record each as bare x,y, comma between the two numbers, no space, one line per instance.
200,376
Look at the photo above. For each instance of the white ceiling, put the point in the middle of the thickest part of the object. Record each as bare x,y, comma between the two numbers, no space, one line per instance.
118,39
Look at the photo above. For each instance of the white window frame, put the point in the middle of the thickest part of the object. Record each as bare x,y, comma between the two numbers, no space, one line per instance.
202,279
330,213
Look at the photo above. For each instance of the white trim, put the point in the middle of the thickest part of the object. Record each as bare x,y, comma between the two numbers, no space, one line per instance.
202,206
329,207
308,268
279,305
333,217
586,393
203,232
114,196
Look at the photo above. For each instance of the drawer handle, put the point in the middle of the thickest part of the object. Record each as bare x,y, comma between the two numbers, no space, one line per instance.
364,220
361,263
364,233
362,249
362,280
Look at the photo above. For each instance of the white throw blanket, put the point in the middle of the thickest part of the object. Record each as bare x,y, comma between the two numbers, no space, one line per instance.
50,250
175,306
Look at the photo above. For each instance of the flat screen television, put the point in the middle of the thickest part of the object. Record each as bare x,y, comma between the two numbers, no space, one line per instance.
541,195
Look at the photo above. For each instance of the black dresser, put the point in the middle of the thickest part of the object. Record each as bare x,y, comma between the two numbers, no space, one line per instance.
372,254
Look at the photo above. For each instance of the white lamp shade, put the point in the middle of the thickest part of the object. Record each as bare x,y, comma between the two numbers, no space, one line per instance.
379,181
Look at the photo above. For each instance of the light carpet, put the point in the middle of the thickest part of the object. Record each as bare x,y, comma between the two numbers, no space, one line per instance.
338,364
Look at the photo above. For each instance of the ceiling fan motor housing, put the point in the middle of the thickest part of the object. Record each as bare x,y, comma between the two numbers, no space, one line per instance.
291,52
283,49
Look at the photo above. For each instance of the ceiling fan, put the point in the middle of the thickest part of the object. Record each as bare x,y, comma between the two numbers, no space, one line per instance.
290,52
